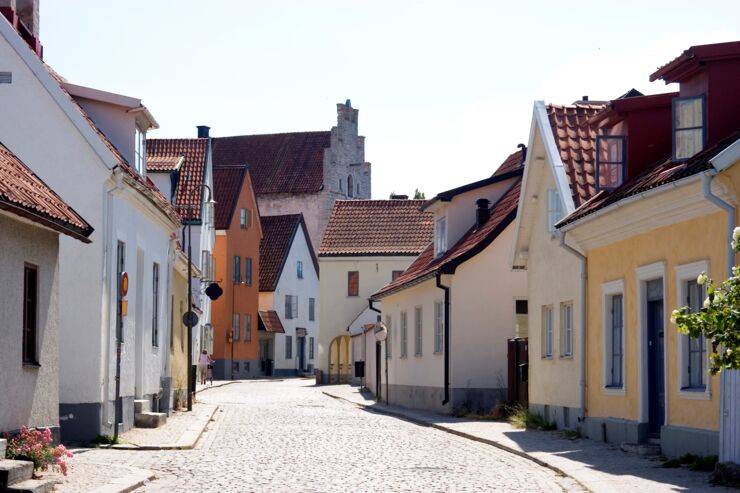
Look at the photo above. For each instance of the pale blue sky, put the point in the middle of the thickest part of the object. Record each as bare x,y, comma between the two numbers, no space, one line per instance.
445,89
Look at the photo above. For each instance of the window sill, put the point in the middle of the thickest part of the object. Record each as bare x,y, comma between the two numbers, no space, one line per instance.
31,366
418,355
620,391
547,356
695,394
438,352
566,356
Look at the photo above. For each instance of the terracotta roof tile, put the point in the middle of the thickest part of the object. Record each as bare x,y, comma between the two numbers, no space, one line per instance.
475,240
659,174
25,194
270,322
575,137
278,163
278,233
155,164
377,227
227,183
189,190
512,163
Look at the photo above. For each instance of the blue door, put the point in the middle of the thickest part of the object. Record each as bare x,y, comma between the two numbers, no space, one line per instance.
656,357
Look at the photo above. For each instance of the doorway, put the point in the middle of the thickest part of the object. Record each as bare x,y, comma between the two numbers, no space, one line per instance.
301,355
655,356
266,361
378,377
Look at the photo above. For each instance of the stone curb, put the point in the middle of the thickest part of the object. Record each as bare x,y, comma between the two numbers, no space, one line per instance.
216,386
418,421
136,479
187,440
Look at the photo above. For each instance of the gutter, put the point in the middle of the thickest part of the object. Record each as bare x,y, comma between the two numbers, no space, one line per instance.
584,325
446,289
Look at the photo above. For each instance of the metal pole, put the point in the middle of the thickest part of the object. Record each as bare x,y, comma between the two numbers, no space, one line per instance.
233,329
191,383
119,331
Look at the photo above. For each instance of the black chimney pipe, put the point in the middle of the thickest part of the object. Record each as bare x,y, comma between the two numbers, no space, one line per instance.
523,147
203,131
482,213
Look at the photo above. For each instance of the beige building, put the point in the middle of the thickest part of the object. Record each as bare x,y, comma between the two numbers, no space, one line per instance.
178,361
367,243
450,314
558,177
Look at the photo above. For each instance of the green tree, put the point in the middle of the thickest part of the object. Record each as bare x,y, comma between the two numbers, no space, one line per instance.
719,319
419,195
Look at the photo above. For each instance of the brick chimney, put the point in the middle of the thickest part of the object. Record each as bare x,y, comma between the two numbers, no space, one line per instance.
23,15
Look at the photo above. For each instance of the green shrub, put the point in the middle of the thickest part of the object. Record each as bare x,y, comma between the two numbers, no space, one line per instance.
522,417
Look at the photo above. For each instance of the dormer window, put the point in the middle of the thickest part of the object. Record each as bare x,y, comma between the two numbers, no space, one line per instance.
140,151
440,236
610,163
688,126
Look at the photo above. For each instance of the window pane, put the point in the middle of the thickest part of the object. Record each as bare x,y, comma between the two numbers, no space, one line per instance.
235,326
688,113
353,283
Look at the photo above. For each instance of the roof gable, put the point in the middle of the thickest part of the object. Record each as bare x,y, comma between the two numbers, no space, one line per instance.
278,236
228,182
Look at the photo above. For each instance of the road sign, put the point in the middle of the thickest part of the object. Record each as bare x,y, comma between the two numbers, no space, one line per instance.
214,291
190,319
124,283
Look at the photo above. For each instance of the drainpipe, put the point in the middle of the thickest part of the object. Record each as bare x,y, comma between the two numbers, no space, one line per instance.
370,305
446,289
584,324
726,391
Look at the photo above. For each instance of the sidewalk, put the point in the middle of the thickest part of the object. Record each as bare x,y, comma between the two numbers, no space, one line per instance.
597,466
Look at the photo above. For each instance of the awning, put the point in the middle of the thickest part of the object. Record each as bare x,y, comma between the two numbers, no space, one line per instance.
269,321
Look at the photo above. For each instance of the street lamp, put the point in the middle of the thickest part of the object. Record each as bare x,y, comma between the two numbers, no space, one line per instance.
381,334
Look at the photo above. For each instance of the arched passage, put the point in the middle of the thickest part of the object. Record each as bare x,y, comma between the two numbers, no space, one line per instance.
340,361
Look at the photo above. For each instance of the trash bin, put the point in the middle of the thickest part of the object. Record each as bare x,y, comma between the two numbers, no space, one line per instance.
319,376
360,369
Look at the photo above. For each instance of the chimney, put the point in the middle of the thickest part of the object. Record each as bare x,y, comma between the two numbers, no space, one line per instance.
584,99
203,131
482,213
28,11
399,197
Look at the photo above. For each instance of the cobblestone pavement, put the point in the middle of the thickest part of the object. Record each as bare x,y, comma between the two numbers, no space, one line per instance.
289,436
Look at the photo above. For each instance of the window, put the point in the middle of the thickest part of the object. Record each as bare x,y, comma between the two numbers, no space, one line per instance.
696,348
341,187
248,271
206,265
30,310
615,343
566,330
245,218
353,283
358,189
311,343
388,339
396,274
291,306
546,331
439,321
299,269
237,269
417,331
155,305
440,236
404,335
610,161
140,151
350,188
288,347
311,309
688,126
521,310
554,209
235,326
247,327
120,268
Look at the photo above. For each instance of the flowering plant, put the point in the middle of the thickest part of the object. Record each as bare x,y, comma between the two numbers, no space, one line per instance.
36,446
719,319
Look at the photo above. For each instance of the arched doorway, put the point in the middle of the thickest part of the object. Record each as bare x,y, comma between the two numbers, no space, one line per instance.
340,360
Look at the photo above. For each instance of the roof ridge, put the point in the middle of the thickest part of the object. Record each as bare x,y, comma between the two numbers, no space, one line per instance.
303,132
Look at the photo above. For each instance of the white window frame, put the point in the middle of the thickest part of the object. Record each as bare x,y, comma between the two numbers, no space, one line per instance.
299,269
548,321
140,150
404,334
440,236
554,207
644,274
418,331
685,273
608,291
566,330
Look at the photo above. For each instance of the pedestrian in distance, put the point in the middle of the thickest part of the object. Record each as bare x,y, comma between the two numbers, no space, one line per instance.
204,364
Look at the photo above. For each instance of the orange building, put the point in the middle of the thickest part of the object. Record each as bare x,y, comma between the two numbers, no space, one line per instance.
236,256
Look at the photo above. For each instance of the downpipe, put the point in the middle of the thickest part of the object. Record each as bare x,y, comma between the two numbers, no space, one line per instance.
446,290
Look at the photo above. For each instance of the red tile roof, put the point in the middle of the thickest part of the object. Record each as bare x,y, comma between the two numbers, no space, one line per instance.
25,194
278,233
227,183
270,322
575,137
659,174
473,242
513,162
162,164
278,163
189,191
377,227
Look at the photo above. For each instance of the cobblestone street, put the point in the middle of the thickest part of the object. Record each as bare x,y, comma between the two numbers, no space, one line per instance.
289,436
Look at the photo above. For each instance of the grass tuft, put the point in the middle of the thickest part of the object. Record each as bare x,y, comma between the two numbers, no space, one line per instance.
522,417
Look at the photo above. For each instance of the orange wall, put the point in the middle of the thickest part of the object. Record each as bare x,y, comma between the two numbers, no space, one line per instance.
241,299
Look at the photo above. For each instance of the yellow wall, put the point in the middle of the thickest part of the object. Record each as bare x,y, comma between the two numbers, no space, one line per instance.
178,339
681,243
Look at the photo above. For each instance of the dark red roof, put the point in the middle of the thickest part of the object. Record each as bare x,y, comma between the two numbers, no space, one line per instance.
270,322
278,233
513,162
659,174
278,163
189,191
227,184
690,61
575,137
25,194
377,227
473,242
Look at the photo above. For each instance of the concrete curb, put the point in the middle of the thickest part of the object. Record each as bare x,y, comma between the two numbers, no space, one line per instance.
187,440
418,421
136,479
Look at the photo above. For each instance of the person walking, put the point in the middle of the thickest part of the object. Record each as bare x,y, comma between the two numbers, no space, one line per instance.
203,362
